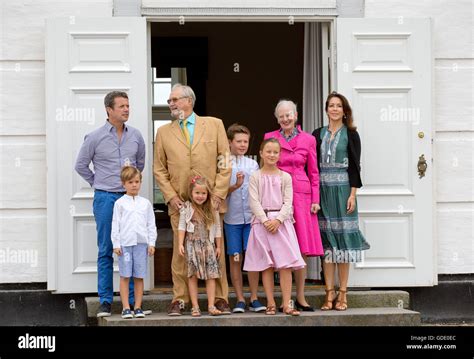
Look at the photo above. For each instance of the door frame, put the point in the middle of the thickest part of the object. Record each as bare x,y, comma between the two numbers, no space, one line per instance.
328,38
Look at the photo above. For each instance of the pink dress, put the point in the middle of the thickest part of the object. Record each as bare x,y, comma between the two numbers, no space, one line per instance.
298,158
265,250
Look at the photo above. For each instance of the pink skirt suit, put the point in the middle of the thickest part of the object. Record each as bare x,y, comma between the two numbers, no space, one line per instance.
298,158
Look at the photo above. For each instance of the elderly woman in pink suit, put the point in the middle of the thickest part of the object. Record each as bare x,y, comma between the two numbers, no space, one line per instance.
298,158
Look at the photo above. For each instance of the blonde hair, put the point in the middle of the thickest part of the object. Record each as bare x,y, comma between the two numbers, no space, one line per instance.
128,173
205,210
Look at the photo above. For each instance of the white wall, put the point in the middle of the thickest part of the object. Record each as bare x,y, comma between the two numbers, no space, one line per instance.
22,131
453,122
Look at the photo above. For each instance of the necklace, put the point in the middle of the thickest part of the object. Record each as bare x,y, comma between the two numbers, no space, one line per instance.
328,144
333,131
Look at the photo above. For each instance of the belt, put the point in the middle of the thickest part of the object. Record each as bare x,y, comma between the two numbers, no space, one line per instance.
101,190
271,210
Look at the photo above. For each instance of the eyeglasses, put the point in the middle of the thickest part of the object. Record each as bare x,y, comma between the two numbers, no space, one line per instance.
175,99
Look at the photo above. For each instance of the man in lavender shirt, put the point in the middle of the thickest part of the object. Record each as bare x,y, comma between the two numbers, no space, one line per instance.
109,148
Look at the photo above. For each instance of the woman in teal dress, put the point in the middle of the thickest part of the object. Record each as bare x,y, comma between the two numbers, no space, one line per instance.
338,148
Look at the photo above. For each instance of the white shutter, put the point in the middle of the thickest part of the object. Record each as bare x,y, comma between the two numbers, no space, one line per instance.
85,59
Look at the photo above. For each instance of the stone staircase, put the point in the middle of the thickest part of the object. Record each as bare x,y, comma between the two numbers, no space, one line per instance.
366,308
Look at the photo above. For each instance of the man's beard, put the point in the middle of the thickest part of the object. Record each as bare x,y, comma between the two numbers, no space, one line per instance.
177,115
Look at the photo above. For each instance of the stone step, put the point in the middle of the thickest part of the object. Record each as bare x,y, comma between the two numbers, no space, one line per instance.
350,317
356,299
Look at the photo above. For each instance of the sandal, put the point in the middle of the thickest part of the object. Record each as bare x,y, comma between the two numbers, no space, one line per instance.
341,304
195,312
213,310
328,304
290,309
271,310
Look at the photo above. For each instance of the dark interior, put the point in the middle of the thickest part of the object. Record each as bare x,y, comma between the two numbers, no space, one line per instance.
268,57
238,72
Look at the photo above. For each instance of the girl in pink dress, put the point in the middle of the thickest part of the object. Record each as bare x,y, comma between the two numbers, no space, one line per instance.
272,243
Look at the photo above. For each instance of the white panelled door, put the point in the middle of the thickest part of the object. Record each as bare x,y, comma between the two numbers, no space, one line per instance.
85,59
384,68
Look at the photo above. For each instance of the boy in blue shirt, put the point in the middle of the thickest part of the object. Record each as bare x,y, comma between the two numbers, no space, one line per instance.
238,218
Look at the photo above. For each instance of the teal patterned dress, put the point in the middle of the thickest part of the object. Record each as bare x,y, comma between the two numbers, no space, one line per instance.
342,240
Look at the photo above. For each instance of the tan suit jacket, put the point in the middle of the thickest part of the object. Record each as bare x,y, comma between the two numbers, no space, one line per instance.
209,156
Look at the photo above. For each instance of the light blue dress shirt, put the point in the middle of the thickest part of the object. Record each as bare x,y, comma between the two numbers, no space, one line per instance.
190,125
108,155
238,208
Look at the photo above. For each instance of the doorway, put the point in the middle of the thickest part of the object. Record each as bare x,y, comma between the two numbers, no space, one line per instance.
239,71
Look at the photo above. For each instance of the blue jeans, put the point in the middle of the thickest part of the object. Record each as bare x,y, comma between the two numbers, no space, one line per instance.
103,210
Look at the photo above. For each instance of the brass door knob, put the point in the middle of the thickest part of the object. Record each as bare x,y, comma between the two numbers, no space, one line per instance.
422,166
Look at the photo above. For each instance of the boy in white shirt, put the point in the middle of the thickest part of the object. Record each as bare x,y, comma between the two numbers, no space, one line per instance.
133,236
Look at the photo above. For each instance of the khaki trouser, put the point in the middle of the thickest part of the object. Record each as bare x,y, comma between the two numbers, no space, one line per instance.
179,268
